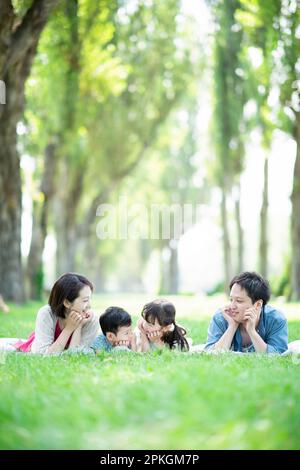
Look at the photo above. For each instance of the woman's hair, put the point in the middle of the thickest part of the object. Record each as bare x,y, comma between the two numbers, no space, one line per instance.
67,287
164,312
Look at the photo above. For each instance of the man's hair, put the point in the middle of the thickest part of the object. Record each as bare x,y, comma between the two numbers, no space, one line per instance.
113,318
67,287
255,285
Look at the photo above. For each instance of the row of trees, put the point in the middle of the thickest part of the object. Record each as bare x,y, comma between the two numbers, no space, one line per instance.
104,81
111,93
272,28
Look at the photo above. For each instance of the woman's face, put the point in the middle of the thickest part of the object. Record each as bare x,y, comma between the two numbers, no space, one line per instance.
82,303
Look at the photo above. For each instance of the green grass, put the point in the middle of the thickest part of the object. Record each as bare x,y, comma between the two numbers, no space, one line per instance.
161,400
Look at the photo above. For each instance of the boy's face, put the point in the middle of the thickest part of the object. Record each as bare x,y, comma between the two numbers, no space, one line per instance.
122,338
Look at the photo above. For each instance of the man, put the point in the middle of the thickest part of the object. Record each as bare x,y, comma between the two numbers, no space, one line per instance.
248,324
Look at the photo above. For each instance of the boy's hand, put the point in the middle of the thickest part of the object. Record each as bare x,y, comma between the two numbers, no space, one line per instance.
123,343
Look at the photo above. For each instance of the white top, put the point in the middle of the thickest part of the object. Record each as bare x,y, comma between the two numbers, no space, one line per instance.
45,329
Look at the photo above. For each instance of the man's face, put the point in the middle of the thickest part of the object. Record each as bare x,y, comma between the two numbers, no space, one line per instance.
239,303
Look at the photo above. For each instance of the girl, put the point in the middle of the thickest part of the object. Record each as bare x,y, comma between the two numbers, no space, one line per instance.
65,323
157,327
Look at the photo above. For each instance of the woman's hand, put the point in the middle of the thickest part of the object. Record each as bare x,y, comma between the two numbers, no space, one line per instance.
74,320
87,317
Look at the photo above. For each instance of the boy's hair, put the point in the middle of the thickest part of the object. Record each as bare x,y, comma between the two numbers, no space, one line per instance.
67,287
164,311
113,318
255,285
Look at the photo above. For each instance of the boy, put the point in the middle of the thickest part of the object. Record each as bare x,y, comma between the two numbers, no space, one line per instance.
117,334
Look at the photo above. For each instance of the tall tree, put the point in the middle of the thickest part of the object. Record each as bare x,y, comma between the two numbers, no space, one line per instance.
278,23
19,35
258,22
227,119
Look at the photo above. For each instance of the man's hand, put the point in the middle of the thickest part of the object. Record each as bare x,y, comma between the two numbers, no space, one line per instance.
228,315
251,317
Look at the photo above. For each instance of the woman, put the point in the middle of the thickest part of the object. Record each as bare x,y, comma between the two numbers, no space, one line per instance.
66,322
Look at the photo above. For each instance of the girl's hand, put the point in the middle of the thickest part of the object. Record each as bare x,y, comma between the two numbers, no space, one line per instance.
140,325
154,334
133,343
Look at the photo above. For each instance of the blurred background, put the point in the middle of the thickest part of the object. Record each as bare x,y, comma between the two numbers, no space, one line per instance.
173,102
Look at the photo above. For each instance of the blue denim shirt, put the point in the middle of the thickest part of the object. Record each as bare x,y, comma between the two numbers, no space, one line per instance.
101,343
272,328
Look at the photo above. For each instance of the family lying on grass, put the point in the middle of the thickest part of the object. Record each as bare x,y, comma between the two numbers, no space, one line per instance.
246,324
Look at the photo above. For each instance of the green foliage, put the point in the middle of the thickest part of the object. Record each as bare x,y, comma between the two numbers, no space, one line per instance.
217,289
281,285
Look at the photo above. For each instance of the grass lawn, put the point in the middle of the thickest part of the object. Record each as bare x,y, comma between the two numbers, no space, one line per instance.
160,400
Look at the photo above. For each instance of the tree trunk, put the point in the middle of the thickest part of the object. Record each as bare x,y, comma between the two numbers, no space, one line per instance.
18,43
263,241
66,249
295,281
35,270
226,240
240,232
11,279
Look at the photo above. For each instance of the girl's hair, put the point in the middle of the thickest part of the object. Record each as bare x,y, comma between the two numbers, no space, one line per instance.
164,312
67,287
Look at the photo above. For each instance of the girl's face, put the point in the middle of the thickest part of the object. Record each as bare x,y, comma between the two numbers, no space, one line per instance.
151,328
82,303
